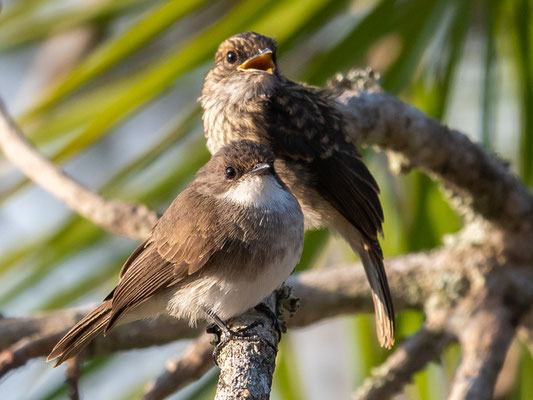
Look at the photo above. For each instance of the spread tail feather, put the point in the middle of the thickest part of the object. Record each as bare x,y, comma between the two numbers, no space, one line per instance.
375,272
81,334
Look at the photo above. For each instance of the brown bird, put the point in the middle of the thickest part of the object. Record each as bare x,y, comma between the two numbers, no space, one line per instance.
230,238
246,97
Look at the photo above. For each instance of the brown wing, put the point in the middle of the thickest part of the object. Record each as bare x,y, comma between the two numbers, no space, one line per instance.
188,238
179,245
133,256
306,129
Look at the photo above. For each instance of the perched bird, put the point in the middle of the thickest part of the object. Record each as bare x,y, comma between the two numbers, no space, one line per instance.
229,239
245,96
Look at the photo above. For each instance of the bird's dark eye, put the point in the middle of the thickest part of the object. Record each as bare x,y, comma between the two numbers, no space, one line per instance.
231,57
230,173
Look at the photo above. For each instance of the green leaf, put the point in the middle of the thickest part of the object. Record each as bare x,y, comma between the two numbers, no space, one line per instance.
19,8
523,31
163,73
368,351
432,216
455,41
355,44
178,129
85,285
76,114
15,32
488,94
79,234
113,51
285,20
525,389
416,33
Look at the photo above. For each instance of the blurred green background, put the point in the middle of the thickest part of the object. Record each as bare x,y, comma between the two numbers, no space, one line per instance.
108,89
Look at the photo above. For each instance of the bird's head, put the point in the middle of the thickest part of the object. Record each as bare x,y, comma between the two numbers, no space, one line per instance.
235,163
247,61
242,173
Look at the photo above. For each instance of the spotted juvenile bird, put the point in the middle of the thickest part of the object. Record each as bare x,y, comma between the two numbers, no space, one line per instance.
245,96
230,238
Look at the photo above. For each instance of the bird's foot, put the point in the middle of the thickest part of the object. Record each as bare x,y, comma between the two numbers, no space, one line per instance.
277,320
224,335
286,301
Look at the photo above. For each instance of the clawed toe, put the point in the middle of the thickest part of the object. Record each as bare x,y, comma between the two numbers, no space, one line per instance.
224,336
279,324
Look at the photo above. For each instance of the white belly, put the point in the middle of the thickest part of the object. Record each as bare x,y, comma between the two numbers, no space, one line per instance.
228,298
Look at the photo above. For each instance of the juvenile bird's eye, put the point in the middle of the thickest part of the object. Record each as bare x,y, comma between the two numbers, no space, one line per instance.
230,173
231,57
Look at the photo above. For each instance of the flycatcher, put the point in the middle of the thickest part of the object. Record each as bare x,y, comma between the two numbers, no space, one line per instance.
246,97
229,239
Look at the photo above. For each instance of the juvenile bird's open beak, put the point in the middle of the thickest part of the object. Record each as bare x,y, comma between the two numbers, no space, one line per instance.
260,169
261,62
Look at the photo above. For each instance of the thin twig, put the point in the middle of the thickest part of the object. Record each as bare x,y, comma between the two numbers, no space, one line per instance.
479,181
25,349
189,366
44,336
133,221
410,357
72,377
415,279
324,293
485,337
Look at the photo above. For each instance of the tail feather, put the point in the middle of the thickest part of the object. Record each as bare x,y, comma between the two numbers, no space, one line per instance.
375,272
81,334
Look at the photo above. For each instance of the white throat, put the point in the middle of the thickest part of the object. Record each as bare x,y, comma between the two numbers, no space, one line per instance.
260,192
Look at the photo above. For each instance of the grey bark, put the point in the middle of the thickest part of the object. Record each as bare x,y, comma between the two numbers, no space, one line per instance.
247,365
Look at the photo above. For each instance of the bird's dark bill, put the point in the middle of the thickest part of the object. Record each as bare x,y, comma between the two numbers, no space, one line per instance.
260,169
261,62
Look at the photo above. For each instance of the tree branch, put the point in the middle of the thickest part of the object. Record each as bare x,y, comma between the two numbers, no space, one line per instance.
412,278
133,221
323,293
189,366
72,375
485,336
415,280
40,333
25,349
478,180
410,357
247,365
